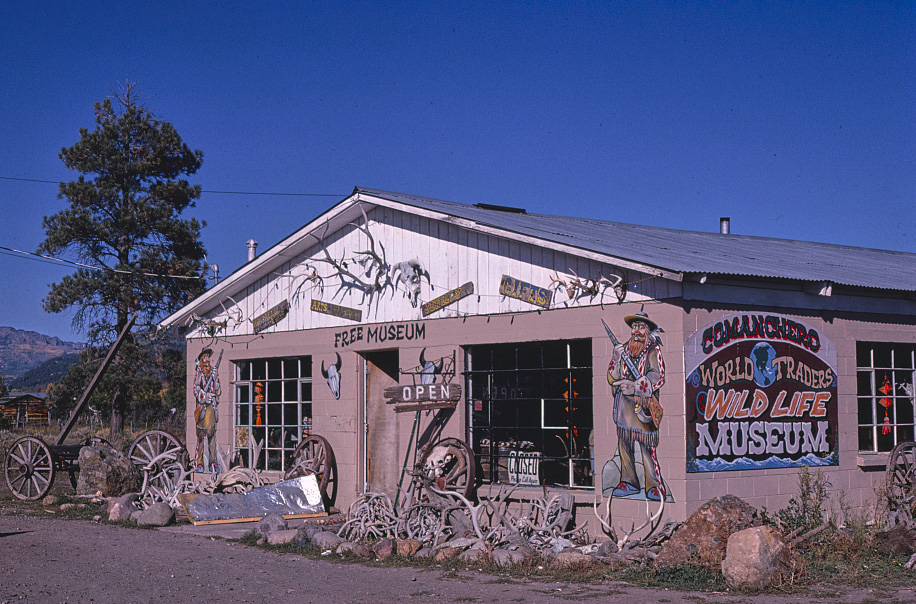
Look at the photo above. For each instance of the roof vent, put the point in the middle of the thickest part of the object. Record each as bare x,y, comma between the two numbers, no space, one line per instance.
508,209
252,249
725,225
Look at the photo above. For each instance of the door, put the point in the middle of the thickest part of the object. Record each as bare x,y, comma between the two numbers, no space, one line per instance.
381,464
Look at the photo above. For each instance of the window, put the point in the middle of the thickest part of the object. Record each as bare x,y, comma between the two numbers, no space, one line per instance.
885,378
273,410
531,411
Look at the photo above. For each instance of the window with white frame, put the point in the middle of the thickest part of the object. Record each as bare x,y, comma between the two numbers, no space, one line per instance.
530,410
273,410
885,375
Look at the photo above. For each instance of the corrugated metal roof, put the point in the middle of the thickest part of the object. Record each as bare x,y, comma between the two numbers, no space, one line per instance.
692,251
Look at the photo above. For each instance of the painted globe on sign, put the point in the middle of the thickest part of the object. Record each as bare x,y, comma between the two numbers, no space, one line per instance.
763,355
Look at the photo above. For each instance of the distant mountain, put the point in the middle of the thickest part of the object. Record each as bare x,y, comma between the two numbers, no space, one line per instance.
38,378
23,350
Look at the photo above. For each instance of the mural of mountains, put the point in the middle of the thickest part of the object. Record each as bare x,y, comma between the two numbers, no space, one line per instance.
23,350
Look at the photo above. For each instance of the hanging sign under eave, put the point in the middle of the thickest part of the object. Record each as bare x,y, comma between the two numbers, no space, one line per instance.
351,314
526,292
449,297
271,317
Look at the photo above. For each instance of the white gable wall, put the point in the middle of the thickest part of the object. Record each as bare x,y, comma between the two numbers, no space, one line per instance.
452,255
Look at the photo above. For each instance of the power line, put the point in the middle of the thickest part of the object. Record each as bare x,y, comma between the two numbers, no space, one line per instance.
45,258
214,191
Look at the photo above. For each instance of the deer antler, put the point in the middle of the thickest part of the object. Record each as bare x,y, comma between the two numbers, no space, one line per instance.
555,281
617,284
367,289
652,521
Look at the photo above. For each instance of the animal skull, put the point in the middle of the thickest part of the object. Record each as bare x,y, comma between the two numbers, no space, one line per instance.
409,273
429,370
439,462
332,375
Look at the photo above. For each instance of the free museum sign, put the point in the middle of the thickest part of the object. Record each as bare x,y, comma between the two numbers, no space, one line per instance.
761,393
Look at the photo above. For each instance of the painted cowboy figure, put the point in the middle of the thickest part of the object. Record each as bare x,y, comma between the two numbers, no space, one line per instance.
637,411
206,411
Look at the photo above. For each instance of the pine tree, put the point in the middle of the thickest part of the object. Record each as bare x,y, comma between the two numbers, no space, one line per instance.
124,217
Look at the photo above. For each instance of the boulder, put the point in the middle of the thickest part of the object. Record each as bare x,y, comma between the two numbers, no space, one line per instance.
158,514
571,558
408,547
50,500
384,549
755,558
476,553
356,550
270,523
509,557
120,509
105,470
326,540
606,548
447,553
702,539
306,532
282,536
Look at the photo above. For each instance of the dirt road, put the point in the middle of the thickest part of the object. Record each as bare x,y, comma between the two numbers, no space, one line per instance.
49,560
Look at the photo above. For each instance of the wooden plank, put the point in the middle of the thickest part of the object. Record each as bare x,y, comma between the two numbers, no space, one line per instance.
255,519
401,408
422,393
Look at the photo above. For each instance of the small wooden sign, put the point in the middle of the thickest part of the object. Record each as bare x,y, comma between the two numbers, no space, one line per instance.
449,297
526,292
422,393
271,317
350,314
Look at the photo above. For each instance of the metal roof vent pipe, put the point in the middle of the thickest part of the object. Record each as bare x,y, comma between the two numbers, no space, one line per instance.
252,249
725,224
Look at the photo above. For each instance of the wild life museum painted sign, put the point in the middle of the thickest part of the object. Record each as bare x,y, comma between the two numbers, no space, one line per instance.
761,393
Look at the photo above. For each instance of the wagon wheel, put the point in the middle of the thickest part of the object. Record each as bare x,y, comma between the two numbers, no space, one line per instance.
161,455
314,455
901,480
29,468
447,465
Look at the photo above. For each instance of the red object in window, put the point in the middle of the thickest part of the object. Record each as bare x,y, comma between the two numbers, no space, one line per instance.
885,402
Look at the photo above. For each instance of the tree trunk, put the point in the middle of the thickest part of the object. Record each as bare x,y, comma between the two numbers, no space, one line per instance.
117,414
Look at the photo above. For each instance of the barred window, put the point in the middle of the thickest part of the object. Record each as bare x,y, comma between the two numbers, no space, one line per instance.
273,410
531,411
885,375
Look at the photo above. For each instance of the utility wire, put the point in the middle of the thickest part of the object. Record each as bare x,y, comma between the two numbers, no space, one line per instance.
55,182
45,258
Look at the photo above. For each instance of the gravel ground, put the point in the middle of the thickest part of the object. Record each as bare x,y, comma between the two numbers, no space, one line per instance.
52,560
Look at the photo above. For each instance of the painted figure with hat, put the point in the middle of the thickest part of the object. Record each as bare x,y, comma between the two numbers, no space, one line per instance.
635,373
206,411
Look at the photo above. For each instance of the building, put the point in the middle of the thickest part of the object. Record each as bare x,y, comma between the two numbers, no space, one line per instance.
22,409
391,320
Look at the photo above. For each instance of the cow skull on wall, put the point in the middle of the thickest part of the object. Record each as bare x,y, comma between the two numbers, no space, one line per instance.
332,375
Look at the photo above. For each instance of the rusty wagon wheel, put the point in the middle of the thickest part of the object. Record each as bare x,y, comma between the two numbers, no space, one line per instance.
29,468
901,480
161,455
447,465
314,455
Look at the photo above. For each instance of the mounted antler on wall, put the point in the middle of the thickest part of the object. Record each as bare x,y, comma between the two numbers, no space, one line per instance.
377,274
576,287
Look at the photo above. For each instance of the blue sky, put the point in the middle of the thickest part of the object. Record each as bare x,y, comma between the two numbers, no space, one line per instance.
797,120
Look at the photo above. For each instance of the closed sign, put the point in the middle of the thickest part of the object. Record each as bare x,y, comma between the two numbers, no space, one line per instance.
523,467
